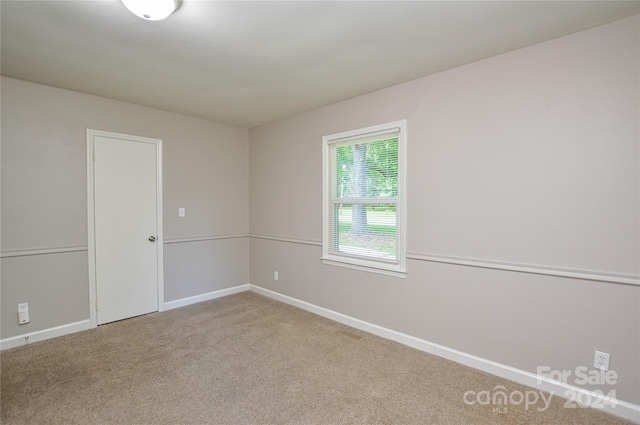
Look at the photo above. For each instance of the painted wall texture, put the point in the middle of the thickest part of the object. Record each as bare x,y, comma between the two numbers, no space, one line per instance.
44,200
530,158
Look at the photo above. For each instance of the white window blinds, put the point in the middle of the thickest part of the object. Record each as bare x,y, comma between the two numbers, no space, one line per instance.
362,202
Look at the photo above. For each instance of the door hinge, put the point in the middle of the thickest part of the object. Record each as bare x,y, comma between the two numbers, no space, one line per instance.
94,156
96,305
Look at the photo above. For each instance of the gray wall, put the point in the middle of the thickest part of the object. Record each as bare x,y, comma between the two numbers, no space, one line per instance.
44,200
529,157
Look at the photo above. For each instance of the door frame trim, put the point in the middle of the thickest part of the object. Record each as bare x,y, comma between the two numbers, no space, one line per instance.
93,298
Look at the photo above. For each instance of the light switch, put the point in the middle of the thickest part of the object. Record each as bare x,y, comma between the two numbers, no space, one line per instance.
181,212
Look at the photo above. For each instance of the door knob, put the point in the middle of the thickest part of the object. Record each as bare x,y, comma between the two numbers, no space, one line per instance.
152,238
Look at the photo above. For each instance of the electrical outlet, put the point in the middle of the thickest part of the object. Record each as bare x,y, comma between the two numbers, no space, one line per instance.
181,212
275,275
23,313
601,361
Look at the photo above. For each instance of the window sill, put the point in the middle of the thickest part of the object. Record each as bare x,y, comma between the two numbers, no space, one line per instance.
375,268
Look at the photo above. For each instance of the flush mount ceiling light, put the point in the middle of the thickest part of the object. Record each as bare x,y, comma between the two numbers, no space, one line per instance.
152,10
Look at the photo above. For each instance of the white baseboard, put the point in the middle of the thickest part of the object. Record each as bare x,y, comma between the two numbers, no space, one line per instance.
619,408
205,297
16,341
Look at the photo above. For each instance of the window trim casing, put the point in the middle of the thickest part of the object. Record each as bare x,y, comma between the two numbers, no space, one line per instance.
358,263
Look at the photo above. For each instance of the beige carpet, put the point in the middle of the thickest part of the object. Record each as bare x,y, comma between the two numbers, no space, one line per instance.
246,359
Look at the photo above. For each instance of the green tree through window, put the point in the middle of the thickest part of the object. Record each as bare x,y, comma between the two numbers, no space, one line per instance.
363,202
367,170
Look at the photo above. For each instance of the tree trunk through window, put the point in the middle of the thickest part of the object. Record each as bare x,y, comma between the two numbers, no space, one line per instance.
359,213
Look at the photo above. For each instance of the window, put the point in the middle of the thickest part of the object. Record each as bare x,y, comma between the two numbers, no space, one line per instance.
363,205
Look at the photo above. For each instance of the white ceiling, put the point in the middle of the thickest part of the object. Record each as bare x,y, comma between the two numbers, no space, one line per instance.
249,63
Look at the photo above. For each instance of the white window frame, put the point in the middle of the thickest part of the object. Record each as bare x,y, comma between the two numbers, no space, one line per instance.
372,264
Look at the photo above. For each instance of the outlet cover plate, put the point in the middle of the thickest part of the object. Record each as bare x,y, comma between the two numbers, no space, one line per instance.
23,313
601,360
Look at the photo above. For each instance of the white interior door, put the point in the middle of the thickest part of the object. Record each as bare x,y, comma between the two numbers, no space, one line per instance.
126,227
